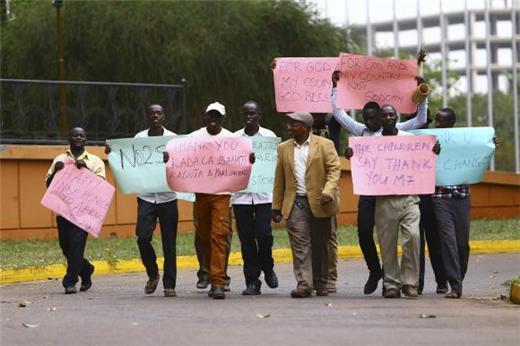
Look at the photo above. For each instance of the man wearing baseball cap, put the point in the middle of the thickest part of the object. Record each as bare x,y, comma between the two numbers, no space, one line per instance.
306,194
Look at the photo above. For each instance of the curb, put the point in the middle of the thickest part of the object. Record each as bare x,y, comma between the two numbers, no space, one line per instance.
55,271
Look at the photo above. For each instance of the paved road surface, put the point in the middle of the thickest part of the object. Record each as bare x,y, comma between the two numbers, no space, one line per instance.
116,312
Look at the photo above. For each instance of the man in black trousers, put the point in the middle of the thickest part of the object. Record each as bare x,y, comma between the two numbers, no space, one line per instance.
72,238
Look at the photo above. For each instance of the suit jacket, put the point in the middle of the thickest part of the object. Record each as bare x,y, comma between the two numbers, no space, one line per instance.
322,175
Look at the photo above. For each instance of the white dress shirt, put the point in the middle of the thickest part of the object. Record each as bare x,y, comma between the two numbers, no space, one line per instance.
301,153
249,198
161,197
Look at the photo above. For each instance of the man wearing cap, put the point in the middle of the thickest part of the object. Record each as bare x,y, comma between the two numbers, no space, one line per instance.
306,194
213,210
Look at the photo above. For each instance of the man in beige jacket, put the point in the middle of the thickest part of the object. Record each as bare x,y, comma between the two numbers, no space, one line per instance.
306,193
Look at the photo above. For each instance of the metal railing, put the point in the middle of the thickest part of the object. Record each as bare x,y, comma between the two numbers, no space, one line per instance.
30,110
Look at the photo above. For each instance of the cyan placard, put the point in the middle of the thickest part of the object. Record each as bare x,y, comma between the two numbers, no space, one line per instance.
465,153
137,164
262,175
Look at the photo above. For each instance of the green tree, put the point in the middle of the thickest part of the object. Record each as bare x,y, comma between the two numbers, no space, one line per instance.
222,48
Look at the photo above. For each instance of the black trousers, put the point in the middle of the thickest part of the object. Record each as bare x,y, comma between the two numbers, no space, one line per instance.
430,235
256,239
168,215
453,220
365,221
72,243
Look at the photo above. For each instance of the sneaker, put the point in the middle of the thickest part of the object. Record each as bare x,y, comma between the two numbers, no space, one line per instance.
410,291
271,279
322,291
372,282
300,293
226,287
151,285
392,293
251,290
331,288
71,290
169,292
453,295
203,283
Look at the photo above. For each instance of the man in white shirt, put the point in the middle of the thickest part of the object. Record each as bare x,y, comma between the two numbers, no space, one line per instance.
153,206
253,217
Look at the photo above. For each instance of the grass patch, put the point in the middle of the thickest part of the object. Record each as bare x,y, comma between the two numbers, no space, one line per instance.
27,253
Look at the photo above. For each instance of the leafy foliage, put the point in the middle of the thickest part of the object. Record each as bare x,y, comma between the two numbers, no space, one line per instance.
222,48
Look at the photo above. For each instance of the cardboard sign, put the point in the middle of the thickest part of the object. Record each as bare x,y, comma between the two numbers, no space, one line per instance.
304,84
79,196
208,164
383,80
393,165
465,156
137,164
262,175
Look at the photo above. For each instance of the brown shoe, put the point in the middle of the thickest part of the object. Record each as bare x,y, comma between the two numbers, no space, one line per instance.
392,293
151,285
300,293
169,292
410,291
322,292
453,295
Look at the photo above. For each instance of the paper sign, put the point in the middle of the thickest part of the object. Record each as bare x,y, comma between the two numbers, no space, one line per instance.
383,80
137,164
262,175
208,165
304,84
465,153
79,196
393,165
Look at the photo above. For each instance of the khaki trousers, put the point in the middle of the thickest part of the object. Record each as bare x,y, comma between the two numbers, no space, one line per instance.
309,238
212,232
332,276
394,213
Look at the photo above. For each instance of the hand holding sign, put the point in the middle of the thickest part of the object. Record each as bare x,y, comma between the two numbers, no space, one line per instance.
383,80
208,165
393,165
79,196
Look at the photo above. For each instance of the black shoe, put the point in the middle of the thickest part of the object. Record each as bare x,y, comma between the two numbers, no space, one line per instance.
442,288
86,282
218,293
203,283
251,290
373,280
271,280
71,290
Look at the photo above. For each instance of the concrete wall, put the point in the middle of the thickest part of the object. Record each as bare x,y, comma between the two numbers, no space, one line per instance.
23,168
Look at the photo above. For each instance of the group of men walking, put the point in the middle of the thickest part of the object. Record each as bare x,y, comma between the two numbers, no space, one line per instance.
305,195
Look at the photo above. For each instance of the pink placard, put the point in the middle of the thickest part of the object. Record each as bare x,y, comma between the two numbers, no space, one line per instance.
304,84
208,164
393,165
383,80
79,196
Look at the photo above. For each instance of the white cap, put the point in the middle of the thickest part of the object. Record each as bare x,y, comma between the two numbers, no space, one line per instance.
216,106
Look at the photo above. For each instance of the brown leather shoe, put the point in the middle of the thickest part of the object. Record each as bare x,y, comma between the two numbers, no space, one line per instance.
169,292
151,285
453,295
392,293
322,292
300,293
410,291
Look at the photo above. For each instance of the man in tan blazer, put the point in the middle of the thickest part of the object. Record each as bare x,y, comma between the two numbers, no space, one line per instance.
306,193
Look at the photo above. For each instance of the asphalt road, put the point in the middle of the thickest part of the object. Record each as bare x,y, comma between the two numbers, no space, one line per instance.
116,312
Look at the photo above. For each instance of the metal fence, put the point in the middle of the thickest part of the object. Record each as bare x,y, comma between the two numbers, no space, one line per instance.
30,109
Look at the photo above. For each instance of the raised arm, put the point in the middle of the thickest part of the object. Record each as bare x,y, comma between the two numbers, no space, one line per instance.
418,121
